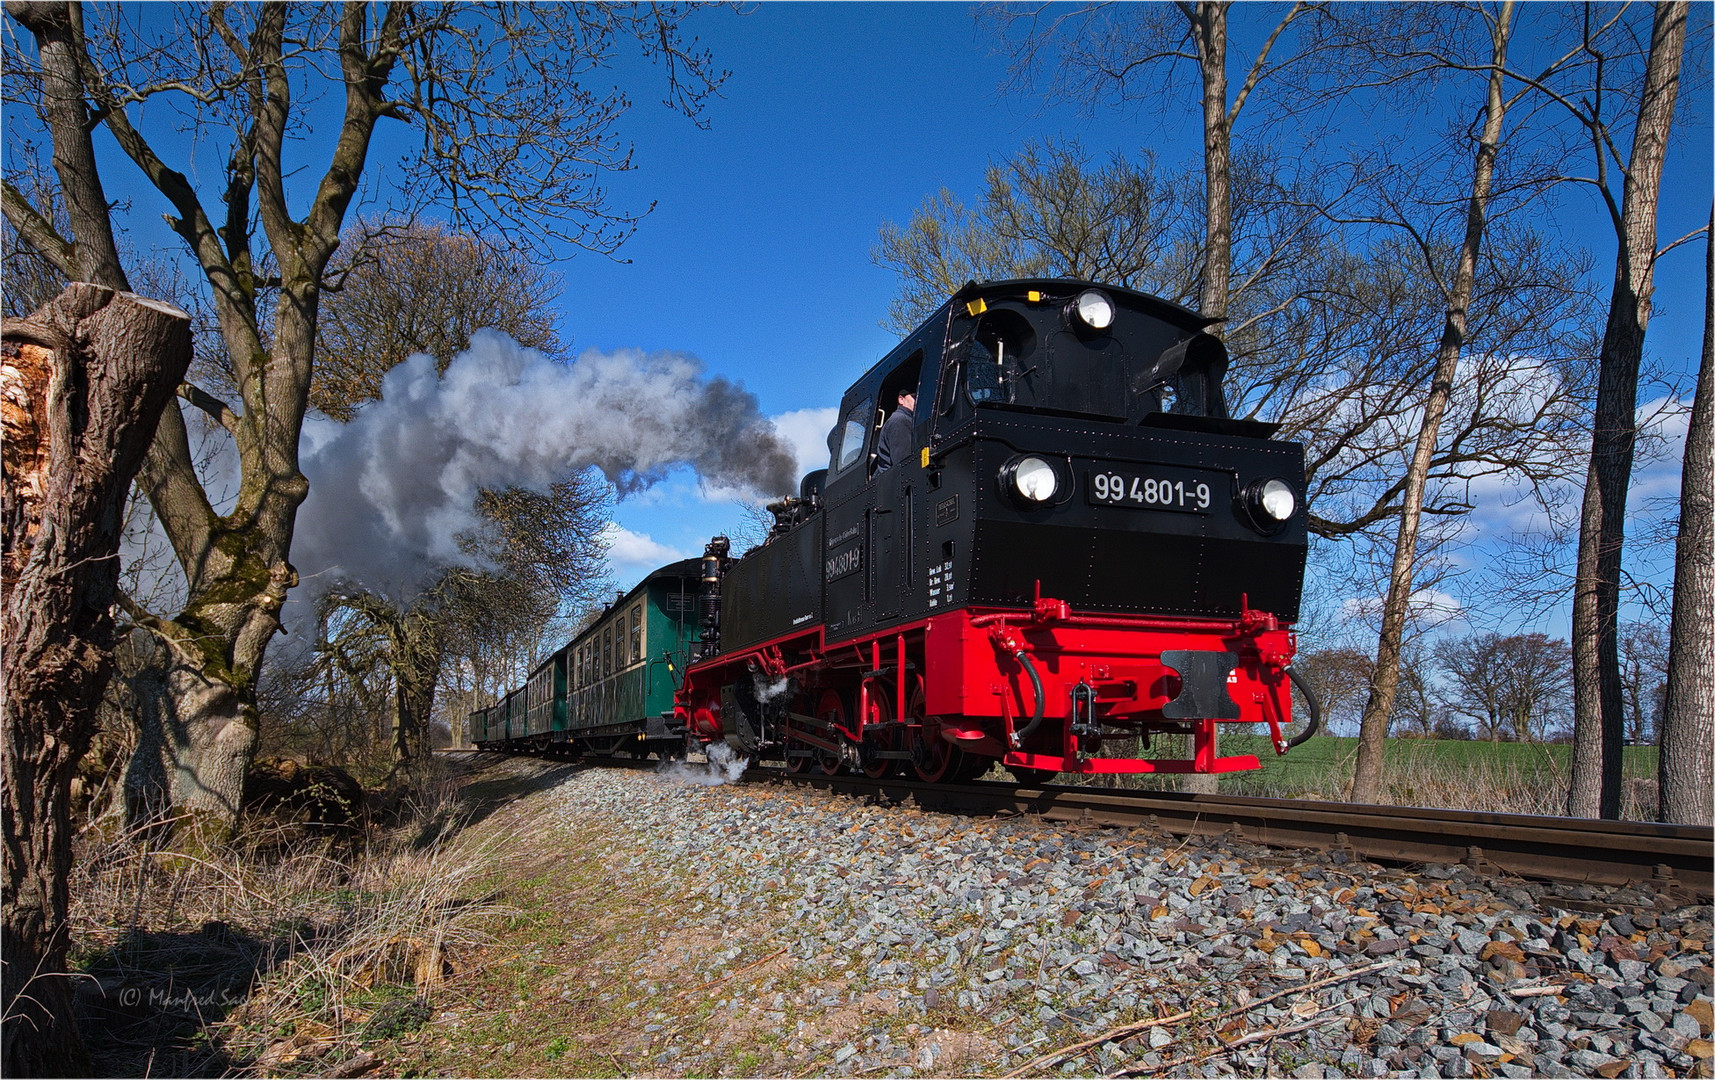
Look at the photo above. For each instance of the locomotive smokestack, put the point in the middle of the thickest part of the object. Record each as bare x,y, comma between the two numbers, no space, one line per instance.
714,562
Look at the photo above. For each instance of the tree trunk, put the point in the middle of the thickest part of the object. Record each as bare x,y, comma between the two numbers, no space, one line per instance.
1599,722
1211,32
85,380
1686,771
195,739
416,670
1209,27
1384,675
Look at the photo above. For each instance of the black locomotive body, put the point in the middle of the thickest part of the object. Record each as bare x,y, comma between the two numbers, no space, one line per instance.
1081,548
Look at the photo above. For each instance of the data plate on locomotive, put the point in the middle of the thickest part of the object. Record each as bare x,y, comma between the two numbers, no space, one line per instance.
1190,491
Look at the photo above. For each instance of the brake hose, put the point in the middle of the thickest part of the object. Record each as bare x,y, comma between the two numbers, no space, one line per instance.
1310,702
1023,657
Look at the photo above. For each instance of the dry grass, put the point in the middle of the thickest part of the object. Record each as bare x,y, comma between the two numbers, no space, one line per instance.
275,955
1512,778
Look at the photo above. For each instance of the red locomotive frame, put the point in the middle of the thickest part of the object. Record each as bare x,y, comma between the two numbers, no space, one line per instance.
1037,690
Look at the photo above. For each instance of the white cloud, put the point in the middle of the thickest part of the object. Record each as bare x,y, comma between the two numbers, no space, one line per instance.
629,552
1427,607
807,431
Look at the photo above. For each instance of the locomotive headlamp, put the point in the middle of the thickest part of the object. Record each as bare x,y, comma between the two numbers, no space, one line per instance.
1278,501
1094,308
1273,502
1031,479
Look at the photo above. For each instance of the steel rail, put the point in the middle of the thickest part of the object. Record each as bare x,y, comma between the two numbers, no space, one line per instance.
1679,858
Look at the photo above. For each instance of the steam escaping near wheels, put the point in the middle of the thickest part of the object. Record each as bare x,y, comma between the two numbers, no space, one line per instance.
724,766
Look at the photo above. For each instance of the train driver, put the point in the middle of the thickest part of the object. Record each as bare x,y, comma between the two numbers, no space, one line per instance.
895,444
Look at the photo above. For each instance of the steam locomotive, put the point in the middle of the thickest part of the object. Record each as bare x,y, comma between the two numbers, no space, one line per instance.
1081,552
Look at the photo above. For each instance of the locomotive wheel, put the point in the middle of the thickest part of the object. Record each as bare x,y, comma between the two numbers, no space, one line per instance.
933,758
880,709
797,766
832,708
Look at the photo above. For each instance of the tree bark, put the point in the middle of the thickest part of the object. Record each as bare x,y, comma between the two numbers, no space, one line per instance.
1599,721
1209,27
197,738
1209,22
416,662
85,380
1686,759
1384,675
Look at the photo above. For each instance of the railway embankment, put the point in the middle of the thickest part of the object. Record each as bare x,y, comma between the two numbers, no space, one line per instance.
677,928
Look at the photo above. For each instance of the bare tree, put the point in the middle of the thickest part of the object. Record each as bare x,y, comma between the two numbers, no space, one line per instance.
1643,677
1048,211
85,380
1685,767
1124,53
1512,686
514,142
1339,675
1599,724
1459,291
425,289
540,555
1416,706
420,288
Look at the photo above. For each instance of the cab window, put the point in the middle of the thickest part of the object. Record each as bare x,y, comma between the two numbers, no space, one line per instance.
851,436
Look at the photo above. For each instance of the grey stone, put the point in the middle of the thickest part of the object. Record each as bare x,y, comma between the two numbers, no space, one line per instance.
1483,1052
1587,1060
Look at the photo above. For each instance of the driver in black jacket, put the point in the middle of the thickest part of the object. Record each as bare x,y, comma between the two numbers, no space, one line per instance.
895,443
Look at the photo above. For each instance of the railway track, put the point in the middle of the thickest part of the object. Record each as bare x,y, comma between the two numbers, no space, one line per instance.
1675,858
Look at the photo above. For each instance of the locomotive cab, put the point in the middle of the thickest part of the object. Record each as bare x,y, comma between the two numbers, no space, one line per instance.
1080,550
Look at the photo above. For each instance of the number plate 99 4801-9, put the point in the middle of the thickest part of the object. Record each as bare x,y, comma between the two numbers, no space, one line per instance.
1185,490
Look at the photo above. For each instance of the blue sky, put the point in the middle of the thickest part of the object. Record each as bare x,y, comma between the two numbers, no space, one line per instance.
838,117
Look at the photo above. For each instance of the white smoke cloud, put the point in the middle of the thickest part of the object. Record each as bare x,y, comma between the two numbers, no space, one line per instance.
724,766
391,491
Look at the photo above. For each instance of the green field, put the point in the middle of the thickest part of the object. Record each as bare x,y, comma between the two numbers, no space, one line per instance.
1529,778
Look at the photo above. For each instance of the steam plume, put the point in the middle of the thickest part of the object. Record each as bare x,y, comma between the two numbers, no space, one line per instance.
725,765
391,491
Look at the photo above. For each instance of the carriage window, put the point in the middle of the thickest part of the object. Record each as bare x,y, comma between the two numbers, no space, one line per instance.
607,650
637,633
852,436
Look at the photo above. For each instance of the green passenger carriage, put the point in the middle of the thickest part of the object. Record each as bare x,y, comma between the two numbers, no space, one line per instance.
611,688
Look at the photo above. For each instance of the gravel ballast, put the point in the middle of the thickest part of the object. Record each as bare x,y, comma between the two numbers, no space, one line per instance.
848,938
